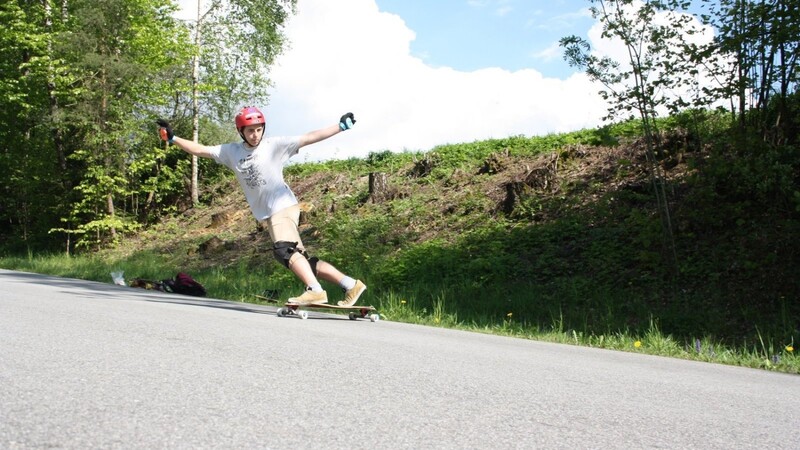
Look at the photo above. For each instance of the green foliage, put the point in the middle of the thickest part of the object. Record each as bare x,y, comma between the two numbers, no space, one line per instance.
443,160
229,66
574,271
578,261
762,40
78,102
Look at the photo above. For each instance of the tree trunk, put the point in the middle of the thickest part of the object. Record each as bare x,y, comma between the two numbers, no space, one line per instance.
378,187
111,213
58,136
195,108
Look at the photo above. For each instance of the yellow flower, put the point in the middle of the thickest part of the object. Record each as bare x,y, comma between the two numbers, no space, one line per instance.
637,344
789,348
402,302
509,315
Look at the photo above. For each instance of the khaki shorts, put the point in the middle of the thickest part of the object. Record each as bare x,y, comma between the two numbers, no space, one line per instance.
283,226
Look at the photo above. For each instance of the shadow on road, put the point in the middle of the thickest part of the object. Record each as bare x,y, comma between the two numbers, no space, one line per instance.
108,291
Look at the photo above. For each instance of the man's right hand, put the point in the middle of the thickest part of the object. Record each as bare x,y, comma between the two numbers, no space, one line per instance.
165,131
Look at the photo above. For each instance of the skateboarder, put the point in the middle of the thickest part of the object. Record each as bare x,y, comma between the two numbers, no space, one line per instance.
258,162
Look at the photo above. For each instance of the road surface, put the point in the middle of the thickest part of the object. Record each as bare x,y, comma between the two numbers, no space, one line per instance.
94,365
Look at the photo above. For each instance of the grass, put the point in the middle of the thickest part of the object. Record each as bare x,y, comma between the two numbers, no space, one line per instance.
554,238
445,308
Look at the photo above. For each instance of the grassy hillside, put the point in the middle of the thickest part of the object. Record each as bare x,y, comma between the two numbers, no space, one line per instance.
558,234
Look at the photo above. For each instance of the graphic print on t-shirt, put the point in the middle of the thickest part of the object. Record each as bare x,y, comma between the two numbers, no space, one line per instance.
251,174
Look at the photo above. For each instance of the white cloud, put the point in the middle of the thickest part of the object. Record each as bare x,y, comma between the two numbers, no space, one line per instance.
561,21
349,56
358,59
551,53
616,50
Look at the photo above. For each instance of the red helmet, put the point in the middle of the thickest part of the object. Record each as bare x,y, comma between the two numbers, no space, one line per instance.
249,115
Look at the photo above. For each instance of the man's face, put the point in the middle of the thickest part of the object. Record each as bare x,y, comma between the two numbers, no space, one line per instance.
253,134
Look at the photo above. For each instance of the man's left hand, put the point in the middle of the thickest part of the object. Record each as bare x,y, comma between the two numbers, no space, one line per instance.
347,121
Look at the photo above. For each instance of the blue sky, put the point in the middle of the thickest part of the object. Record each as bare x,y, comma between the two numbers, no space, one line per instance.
423,73
511,34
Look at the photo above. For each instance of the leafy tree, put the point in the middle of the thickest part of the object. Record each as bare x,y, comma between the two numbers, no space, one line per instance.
30,164
644,83
113,69
762,40
77,79
235,43
82,81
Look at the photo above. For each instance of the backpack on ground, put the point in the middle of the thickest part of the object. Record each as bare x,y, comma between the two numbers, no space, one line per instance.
183,283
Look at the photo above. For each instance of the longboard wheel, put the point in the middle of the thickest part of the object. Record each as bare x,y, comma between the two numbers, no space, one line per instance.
282,312
353,316
374,317
303,314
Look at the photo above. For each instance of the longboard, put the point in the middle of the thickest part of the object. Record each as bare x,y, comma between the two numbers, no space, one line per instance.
296,309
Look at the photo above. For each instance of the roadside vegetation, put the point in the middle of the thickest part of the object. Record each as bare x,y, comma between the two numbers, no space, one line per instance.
552,238
672,230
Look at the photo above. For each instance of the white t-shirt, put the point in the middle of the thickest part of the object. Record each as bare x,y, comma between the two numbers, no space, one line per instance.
260,172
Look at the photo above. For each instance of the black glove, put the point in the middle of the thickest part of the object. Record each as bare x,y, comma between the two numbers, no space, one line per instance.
165,131
347,121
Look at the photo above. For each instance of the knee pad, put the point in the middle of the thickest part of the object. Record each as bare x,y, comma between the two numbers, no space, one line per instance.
313,261
283,251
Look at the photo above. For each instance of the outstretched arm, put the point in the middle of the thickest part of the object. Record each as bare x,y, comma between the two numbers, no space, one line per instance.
190,147
345,123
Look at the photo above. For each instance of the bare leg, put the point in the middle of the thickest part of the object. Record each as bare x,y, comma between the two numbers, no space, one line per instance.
328,272
302,269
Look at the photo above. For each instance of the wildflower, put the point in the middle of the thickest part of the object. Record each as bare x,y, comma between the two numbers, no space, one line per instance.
509,315
789,348
637,344
402,302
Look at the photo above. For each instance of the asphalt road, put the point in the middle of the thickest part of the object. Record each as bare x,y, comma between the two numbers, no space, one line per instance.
93,365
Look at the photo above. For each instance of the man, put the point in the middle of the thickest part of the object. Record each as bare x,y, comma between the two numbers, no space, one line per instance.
258,165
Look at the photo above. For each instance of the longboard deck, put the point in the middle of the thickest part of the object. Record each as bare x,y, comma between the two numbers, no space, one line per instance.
297,309
330,306
315,305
